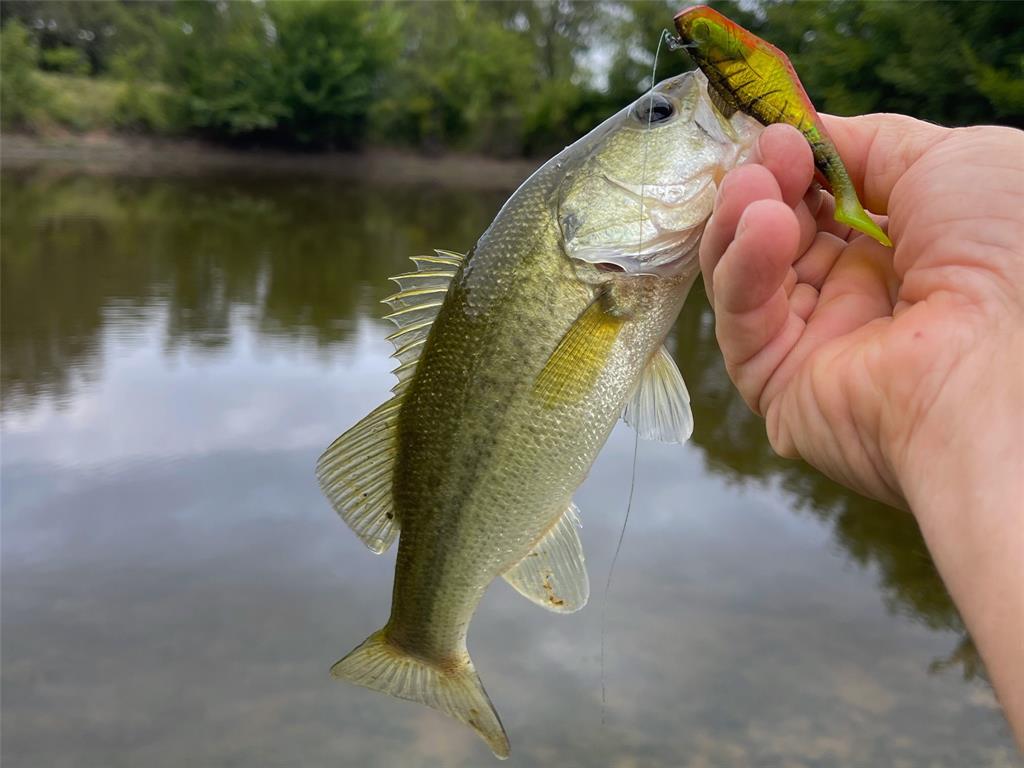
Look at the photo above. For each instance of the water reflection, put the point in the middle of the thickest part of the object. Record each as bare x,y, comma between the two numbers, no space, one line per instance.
868,532
175,353
297,259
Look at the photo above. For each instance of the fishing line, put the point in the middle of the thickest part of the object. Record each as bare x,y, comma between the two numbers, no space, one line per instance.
608,584
665,34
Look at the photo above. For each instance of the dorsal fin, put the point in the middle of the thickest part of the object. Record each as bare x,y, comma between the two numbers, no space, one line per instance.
355,472
416,305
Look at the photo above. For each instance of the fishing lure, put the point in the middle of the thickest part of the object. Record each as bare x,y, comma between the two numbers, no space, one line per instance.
749,74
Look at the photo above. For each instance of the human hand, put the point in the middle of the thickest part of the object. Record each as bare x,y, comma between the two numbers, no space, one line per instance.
897,371
848,348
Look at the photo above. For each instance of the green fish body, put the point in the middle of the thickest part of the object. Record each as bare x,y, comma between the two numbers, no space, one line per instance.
515,364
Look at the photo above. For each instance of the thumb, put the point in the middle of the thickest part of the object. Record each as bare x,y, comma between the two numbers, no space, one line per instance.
878,149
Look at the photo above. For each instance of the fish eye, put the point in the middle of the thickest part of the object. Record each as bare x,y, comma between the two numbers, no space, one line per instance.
655,108
701,31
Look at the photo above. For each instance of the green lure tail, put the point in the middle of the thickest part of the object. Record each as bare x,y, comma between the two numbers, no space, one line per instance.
751,75
849,211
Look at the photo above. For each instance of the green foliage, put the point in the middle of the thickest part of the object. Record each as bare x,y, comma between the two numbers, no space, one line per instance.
77,102
328,56
951,62
96,29
220,57
70,61
20,99
144,104
459,80
296,71
509,77
501,77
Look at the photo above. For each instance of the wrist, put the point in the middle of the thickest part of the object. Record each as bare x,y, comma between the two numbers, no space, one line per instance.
962,473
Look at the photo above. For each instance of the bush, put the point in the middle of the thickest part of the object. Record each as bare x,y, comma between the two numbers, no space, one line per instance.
70,61
22,101
148,107
328,57
143,103
303,72
76,102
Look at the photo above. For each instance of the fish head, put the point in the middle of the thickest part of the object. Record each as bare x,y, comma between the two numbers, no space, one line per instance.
639,189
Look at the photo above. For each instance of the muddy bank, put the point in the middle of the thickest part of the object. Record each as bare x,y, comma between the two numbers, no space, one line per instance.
129,155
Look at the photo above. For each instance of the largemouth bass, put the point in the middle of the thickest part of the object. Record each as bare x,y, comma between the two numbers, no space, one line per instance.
515,362
752,75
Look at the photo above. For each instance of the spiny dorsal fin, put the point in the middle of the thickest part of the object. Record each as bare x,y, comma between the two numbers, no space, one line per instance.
659,408
553,574
416,305
355,475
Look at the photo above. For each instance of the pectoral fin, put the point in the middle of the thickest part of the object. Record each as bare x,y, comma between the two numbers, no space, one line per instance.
660,406
579,358
553,574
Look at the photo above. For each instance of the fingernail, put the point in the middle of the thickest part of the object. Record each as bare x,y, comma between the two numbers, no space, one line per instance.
757,152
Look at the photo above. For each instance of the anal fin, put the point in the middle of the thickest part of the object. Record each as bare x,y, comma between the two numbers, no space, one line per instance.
659,408
553,575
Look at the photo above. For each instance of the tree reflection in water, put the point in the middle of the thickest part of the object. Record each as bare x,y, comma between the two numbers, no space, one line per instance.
870,533
303,261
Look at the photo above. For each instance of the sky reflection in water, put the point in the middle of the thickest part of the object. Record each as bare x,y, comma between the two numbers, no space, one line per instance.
176,353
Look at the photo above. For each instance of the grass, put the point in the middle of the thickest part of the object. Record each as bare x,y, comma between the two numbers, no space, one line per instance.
84,104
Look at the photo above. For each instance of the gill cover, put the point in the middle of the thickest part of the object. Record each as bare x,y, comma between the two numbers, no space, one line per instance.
639,199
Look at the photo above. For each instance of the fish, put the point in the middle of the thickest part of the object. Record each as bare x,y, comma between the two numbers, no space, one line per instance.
515,362
752,75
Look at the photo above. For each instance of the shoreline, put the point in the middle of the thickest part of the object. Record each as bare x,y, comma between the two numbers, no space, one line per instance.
129,155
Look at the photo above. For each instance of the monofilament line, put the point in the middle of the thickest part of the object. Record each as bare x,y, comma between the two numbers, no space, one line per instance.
608,584
636,437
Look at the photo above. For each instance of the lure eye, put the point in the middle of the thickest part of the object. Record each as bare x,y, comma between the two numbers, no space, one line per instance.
701,31
655,108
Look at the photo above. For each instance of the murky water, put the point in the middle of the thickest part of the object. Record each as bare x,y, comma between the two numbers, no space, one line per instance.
176,353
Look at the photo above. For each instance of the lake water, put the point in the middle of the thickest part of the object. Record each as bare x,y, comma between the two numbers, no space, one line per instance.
178,351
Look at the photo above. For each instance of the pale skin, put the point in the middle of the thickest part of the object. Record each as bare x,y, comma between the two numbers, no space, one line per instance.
898,372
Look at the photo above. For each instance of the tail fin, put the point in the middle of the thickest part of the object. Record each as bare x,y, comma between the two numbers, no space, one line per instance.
382,666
